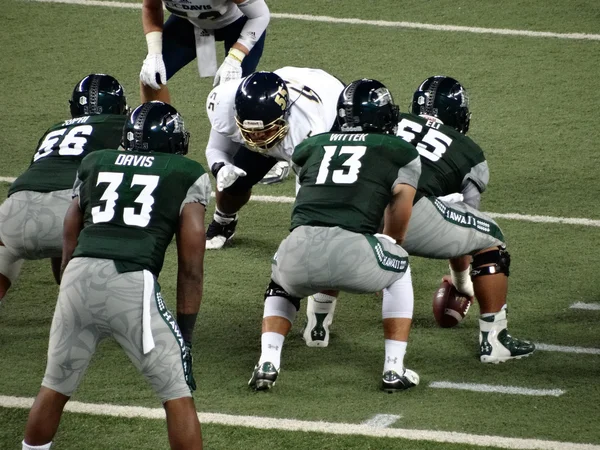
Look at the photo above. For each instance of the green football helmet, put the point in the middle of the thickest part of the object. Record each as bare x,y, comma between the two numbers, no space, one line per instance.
445,99
366,106
155,127
98,93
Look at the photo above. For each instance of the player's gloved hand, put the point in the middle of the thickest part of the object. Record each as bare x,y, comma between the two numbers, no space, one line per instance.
227,175
462,281
231,69
153,71
187,366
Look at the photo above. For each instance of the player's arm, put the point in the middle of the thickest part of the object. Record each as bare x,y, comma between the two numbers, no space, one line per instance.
191,242
152,16
72,226
397,213
258,15
153,69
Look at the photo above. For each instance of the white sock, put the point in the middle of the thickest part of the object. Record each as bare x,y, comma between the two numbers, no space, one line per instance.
271,344
37,447
394,355
222,218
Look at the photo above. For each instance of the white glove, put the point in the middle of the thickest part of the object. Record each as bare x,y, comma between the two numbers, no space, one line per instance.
462,281
227,175
153,65
231,69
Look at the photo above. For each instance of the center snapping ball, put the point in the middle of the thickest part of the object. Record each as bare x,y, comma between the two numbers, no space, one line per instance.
450,306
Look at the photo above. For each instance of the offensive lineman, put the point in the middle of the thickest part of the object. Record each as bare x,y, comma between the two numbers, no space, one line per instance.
31,218
126,207
190,33
451,163
347,180
255,123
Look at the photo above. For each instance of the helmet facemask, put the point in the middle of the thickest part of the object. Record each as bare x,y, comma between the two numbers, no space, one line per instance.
262,138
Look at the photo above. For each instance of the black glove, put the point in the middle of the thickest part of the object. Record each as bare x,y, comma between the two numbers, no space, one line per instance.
187,366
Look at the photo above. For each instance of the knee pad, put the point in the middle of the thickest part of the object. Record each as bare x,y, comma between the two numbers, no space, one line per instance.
274,290
491,263
398,299
10,265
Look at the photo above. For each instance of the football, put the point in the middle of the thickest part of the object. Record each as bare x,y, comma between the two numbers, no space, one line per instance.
449,306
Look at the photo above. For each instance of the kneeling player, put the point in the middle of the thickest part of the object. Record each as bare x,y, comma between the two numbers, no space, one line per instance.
347,180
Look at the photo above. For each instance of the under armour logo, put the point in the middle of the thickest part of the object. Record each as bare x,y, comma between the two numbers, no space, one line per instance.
391,360
276,347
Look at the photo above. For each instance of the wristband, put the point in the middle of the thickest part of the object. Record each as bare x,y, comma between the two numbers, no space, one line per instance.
154,42
236,54
216,167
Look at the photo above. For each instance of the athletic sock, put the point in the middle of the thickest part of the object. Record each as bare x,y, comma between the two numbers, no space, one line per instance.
271,344
222,218
394,356
37,447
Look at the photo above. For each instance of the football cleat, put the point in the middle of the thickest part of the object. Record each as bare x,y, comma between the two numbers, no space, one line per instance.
277,174
217,235
263,377
496,347
393,382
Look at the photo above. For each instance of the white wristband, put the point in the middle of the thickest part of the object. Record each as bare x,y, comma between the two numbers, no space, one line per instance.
237,54
154,41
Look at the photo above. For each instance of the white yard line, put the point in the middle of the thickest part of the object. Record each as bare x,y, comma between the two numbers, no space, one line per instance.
491,388
567,349
375,23
588,306
269,423
381,420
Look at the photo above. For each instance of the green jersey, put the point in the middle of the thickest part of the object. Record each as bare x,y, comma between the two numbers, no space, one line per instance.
449,159
346,180
131,202
63,146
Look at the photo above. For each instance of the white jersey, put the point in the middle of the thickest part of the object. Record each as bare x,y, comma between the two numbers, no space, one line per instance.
313,97
205,14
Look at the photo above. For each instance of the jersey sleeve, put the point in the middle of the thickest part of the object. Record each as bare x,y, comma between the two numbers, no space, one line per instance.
409,173
479,175
199,192
220,108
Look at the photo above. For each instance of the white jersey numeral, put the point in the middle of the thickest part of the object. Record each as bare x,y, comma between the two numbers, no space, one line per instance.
432,146
71,144
340,176
111,196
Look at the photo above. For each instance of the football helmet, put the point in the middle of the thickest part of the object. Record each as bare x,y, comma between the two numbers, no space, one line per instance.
155,127
445,99
98,94
366,106
262,103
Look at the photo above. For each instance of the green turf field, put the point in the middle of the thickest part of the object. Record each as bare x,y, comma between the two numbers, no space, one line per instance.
534,102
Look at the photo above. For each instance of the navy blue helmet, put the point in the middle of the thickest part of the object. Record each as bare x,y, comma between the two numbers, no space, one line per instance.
98,94
445,99
261,106
366,106
155,127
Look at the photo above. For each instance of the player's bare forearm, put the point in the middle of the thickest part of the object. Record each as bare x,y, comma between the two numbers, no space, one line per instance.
461,263
397,214
191,243
72,226
152,15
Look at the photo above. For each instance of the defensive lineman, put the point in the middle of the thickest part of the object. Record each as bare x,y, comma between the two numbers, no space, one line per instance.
451,163
190,33
125,210
31,219
347,180
257,122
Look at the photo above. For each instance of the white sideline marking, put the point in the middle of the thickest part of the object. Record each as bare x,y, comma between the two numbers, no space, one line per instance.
496,389
381,420
567,349
588,306
268,423
7,179
376,23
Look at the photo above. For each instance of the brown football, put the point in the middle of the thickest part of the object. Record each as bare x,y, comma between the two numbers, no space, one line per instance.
449,306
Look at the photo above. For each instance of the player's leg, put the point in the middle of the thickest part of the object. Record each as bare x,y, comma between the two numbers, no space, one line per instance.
10,266
154,349
229,201
73,339
179,49
12,217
